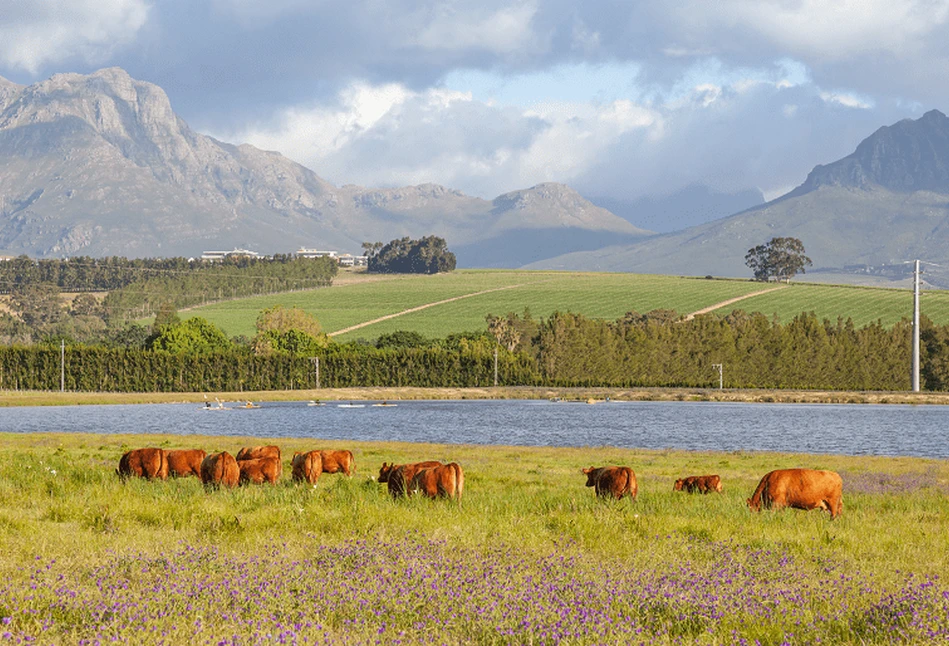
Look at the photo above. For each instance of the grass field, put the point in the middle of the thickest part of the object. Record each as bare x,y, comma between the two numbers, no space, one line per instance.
596,295
529,556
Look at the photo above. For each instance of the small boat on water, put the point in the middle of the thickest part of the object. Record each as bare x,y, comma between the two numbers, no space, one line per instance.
350,405
384,404
315,403
249,405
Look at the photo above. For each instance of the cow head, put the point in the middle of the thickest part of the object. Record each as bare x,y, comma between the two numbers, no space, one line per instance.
384,472
678,485
754,505
591,474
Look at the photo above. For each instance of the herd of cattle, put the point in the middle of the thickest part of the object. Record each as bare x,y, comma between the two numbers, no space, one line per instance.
798,488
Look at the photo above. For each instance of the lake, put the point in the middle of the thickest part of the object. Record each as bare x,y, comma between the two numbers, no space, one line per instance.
851,429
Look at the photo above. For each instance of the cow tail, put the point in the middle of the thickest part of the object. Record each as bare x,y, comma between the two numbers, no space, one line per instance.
459,480
352,464
629,482
163,465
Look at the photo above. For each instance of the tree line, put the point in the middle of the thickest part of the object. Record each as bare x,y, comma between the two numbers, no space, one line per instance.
659,348
137,288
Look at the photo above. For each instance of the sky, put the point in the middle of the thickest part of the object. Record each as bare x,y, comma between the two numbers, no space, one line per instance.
618,99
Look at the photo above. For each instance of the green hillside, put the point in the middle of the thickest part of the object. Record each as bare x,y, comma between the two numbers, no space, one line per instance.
356,299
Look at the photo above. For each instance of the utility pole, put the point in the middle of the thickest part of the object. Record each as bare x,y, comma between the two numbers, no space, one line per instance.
721,381
316,369
62,365
916,327
495,366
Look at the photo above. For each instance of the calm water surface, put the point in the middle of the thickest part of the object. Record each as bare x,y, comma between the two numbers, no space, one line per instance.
808,428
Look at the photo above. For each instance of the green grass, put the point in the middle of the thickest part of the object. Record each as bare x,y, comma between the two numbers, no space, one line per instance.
64,516
596,295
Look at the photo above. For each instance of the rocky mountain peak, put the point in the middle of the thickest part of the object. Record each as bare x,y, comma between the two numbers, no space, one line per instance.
911,155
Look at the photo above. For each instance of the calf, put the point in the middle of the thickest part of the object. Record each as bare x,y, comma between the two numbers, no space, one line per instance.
703,484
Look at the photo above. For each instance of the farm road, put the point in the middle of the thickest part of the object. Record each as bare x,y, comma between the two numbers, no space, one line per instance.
426,306
706,310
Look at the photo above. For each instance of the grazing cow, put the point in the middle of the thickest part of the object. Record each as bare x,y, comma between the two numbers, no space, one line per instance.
307,467
220,469
256,452
442,481
259,470
147,463
800,489
613,482
398,476
703,484
185,462
336,461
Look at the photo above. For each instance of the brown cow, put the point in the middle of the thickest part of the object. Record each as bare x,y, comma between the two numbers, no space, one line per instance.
185,462
144,463
307,467
442,481
398,476
256,452
703,484
612,481
800,489
220,469
336,461
259,470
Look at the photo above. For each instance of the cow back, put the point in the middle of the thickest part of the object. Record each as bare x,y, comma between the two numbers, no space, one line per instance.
338,461
614,481
185,462
307,467
220,469
256,452
400,476
259,470
150,463
439,481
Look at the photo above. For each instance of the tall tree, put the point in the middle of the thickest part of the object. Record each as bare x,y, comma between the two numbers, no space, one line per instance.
780,258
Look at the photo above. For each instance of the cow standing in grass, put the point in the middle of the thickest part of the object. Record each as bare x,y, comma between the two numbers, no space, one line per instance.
185,462
149,463
702,484
612,482
220,469
397,477
800,489
307,467
440,481
338,461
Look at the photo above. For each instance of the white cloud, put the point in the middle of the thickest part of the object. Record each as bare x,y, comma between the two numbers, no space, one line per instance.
842,29
451,26
38,32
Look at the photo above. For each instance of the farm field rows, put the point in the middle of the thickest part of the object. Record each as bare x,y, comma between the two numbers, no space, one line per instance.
596,295
529,556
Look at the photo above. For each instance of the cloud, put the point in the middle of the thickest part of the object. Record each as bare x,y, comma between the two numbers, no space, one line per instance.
34,33
506,29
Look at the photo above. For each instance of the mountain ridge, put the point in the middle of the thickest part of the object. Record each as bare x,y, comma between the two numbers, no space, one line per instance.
100,164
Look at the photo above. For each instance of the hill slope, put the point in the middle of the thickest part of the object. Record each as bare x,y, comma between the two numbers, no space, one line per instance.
100,164
868,213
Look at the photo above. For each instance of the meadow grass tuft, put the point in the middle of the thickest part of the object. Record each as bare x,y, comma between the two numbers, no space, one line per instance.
528,556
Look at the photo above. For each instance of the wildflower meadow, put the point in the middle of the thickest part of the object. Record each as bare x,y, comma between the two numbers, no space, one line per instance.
529,556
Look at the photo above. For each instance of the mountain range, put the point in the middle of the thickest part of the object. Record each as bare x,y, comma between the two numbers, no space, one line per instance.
100,165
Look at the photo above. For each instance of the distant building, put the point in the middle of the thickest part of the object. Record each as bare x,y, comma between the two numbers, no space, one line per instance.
221,255
316,253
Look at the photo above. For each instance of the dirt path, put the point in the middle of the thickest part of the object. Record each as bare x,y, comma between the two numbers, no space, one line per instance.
423,307
706,310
